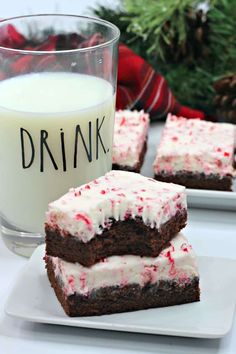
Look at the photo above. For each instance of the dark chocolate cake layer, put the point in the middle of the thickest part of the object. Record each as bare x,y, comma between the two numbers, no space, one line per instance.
131,236
116,299
139,164
197,180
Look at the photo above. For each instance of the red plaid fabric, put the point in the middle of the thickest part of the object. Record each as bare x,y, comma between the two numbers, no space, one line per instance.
140,87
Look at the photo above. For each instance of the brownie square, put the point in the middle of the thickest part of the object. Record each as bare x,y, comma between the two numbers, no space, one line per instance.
119,213
127,283
196,154
130,140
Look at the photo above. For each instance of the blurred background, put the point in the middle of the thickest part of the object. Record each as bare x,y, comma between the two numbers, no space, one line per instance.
24,7
192,43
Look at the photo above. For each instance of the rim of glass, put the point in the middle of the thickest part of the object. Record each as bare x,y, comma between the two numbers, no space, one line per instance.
116,34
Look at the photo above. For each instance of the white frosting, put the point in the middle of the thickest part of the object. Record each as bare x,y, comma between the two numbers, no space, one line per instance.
177,262
196,146
130,134
87,210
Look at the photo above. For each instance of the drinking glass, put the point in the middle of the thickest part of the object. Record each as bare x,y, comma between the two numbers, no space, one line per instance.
57,100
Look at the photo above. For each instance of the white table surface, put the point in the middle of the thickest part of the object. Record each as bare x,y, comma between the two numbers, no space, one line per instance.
212,233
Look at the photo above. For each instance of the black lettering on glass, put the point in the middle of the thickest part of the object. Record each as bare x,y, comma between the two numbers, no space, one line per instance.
43,143
22,131
63,150
98,136
87,149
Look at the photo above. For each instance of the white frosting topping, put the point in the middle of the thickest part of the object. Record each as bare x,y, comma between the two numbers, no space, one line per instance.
130,133
196,146
87,210
177,262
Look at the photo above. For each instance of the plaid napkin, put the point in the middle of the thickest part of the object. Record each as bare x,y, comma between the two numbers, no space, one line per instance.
140,87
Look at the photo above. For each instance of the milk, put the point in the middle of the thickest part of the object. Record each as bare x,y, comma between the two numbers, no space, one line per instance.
56,132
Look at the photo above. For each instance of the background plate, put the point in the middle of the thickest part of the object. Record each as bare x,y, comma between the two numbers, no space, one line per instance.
196,197
33,299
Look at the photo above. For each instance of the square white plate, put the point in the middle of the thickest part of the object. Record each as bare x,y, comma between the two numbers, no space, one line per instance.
33,299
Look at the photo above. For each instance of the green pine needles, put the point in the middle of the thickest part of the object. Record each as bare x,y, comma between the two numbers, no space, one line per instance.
191,43
158,22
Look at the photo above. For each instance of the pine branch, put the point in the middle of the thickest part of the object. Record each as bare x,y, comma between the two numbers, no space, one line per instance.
154,29
223,36
162,21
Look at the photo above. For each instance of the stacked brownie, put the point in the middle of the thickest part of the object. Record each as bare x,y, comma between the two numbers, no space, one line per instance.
196,154
113,245
130,140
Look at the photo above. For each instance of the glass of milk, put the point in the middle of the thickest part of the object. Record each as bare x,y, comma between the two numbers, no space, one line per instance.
57,100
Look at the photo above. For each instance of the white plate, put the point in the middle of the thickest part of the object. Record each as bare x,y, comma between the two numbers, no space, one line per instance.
33,299
200,198
196,197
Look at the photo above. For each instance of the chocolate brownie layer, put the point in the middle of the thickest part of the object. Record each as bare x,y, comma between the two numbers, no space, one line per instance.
198,180
138,166
131,236
127,298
